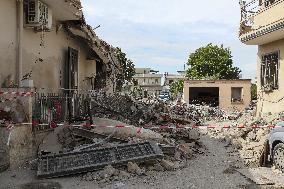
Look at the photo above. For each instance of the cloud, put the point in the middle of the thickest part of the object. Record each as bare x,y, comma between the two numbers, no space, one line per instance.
161,33
165,11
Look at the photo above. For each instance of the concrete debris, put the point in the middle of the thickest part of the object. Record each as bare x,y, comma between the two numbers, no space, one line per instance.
108,174
154,112
125,133
134,168
187,149
168,165
249,141
168,124
157,167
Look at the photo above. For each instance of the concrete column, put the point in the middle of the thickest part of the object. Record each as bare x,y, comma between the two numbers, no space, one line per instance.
20,26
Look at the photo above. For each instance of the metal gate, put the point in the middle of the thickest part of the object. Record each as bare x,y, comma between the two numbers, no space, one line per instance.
57,108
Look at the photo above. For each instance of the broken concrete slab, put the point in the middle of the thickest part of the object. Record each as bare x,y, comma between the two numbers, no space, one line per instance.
91,135
50,143
124,133
134,168
168,165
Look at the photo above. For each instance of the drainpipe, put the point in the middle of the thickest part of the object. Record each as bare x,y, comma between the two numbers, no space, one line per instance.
20,26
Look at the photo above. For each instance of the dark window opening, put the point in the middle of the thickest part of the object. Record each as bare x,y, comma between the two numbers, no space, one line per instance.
270,71
71,69
204,95
171,81
156,81
268,3
100,80
237,94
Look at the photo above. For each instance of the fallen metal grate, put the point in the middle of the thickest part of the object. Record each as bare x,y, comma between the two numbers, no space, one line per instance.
50,166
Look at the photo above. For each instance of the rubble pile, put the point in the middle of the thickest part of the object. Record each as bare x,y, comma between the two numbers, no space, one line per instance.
169,126
154,112
110,174
130,150
250,138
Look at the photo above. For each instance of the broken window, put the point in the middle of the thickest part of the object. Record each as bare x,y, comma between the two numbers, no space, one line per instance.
270,71
237,94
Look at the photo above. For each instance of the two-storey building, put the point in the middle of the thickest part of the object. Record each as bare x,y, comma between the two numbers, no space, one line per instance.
149,80
262,24
47,44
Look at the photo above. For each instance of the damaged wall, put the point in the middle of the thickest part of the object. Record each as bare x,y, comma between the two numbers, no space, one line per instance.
54,56
271,101
44,53
8,43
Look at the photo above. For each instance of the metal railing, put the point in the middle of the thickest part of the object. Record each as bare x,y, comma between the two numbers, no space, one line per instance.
249,9
57,108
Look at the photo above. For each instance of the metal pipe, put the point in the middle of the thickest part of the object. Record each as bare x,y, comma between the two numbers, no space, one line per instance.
20,26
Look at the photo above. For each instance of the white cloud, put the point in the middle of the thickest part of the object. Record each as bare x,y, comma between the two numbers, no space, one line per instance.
161,33
165,11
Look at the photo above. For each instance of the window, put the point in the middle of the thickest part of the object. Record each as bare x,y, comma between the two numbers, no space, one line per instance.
171,81
156,81
71,69
237,94
270,71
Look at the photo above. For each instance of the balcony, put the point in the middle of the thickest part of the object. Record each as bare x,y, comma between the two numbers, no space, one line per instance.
261,21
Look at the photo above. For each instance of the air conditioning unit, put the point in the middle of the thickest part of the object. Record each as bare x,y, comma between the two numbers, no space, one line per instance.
39,16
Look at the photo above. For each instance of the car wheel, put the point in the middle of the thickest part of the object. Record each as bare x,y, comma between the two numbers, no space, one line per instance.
278,156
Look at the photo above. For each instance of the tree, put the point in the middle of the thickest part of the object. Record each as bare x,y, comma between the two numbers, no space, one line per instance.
176,87
254,92
212,62
128,70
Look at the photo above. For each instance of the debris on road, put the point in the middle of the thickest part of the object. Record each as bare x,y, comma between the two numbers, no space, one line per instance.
123,121
264,176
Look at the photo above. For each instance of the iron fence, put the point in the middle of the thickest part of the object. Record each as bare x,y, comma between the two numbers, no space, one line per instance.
59,107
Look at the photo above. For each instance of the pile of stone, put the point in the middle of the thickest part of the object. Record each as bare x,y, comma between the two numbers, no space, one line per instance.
168,124
248,135
154,112
110,174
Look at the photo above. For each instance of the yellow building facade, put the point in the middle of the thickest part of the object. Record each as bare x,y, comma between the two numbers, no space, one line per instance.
262,24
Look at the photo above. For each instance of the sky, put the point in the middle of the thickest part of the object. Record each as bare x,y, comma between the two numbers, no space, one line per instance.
160,34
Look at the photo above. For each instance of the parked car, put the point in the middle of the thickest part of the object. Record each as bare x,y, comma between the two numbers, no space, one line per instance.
164,96
275,147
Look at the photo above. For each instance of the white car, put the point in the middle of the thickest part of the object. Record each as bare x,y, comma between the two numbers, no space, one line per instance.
275,147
